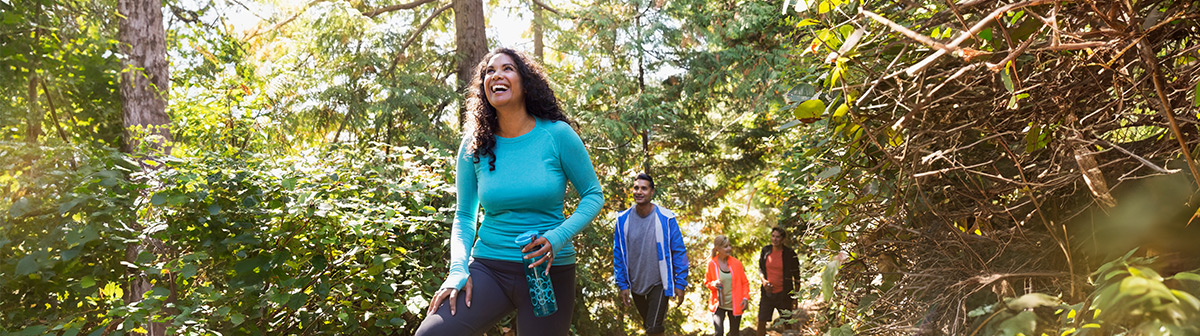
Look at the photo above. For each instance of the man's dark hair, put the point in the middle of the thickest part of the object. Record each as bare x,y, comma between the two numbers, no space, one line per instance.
643,176
782,233
779,229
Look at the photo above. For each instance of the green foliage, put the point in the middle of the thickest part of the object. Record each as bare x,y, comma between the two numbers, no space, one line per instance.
65,228
324,242
1129,298
347,241
59,63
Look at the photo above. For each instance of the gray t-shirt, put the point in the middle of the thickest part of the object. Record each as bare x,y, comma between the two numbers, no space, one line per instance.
642,259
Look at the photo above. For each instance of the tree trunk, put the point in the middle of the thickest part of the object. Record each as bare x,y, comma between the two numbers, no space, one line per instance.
471,41
33,117
144,88
538,32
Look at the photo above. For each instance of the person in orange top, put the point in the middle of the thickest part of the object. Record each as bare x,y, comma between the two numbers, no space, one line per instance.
780,268
726,278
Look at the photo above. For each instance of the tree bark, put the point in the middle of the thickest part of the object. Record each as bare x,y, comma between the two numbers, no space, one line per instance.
144,87
33,117
145,84
471,42
538,32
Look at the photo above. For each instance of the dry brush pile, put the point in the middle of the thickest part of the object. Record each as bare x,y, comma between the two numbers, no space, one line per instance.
1008,129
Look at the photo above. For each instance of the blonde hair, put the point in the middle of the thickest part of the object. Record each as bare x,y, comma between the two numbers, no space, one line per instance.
719,242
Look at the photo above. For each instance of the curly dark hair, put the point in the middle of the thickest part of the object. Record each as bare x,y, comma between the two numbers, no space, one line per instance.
483,122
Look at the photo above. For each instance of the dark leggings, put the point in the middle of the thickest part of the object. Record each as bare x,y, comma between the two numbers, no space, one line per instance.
735,322
498,288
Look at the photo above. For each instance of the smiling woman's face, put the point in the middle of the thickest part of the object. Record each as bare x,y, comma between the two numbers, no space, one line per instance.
502,82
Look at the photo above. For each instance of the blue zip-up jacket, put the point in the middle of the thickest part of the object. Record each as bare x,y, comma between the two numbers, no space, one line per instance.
672,254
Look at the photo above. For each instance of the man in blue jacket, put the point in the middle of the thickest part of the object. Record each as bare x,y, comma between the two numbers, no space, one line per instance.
649,258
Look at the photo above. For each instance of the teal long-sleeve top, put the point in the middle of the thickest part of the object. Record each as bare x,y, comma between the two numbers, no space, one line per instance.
524,193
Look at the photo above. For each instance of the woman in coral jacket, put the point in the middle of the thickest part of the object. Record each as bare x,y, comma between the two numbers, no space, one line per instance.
726,278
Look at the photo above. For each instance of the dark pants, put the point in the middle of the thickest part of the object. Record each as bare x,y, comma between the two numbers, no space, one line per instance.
499,288
735,322
653,308
771,302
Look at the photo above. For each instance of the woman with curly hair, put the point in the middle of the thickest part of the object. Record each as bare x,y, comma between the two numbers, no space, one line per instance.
516,157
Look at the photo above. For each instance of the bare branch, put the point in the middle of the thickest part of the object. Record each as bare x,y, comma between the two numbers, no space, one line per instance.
983,23
1013,54
551,9
284,22
1151,65
416,33
393,8
1139,158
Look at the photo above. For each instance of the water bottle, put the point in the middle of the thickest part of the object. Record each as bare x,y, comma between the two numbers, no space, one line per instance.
541,292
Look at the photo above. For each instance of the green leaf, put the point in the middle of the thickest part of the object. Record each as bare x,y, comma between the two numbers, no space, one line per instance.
27,265
1033,300
87,282
825,7
66,207
894,138
1145,272
297,300
1016,16
841,111
20,208
801,92
784,127
982,310
828,276
1196,95
1186,276
836,74
159,198
237,318
807,22
1187,298
177,200
844,330
1134,285
70,254
829,172
1036,138
986,34
188,271
1024,323
1006,77
214,209
812,108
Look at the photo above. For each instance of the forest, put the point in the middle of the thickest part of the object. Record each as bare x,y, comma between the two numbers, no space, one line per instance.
274,167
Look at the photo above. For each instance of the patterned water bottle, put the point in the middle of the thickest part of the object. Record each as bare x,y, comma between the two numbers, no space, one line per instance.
541,292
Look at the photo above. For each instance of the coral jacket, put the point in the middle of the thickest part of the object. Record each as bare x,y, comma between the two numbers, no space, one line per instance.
741,286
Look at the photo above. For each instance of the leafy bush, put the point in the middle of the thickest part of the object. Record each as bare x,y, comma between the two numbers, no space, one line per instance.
1129,298
328,241
63,237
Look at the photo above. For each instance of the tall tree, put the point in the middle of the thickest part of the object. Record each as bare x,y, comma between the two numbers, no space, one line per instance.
145,82
144,87
471,43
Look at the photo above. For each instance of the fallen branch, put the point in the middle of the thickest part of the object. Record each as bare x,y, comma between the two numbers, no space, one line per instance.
983,23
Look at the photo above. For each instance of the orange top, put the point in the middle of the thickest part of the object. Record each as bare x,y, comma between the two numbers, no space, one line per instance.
741,286
775,270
